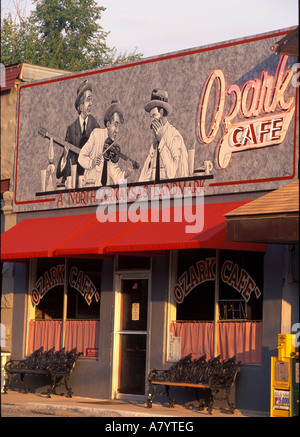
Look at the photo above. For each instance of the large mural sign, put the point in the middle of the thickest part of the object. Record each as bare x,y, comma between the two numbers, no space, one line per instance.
257,98
220,117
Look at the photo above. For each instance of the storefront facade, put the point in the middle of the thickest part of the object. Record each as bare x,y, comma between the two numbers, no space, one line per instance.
136,271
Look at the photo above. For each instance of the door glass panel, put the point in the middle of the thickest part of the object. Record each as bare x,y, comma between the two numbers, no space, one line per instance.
133,362
134,305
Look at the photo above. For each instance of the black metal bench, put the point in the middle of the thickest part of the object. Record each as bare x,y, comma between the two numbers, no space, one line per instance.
57,365
213,375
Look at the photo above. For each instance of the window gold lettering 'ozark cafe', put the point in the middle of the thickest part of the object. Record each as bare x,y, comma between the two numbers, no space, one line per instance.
226,318
66,297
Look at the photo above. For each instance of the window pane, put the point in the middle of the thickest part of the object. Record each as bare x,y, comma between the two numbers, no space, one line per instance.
83,306
84,282
48,292
241,285
134,304
132,371
47,295
195,285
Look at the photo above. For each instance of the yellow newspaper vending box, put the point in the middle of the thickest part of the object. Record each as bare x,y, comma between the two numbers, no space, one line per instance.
282,384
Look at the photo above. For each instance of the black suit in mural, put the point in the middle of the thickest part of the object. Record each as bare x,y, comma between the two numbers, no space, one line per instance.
75,136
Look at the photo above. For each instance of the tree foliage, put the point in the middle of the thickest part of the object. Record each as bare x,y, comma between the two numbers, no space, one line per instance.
17,40
63,34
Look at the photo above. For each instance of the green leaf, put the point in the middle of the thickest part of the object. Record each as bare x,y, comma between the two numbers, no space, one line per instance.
63,34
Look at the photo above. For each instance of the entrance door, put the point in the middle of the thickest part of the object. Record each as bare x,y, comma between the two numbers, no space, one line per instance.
132,336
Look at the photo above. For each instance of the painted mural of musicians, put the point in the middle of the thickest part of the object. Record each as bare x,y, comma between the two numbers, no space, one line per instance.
98,156
78,132
168,156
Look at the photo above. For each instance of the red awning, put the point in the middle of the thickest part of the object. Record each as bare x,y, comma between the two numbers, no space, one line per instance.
158,236
93,239
38,237
146,235
83,235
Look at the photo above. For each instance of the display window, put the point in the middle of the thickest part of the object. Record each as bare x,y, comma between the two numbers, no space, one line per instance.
66,306
218,300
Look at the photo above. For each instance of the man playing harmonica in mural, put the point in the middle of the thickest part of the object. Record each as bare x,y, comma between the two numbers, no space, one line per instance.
99,155
168,156
78,132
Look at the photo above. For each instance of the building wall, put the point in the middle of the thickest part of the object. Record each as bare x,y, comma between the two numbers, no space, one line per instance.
8,128
159,299
20,306
8,132
7,298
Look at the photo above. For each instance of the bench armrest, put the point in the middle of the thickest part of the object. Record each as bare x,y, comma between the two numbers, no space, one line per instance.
155,374
12,364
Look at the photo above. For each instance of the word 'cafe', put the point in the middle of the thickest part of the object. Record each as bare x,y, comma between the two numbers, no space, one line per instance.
257,97
170,231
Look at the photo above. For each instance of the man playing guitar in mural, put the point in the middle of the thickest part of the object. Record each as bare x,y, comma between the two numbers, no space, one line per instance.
77,133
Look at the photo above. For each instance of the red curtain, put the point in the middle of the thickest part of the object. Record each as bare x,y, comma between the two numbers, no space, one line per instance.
46,333
196,338
243,339
82,334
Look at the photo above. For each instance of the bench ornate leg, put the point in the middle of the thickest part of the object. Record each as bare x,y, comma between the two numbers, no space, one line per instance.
211,401
230,404
200,401
7,382
53,385
68,388
25,386
171,400
11,379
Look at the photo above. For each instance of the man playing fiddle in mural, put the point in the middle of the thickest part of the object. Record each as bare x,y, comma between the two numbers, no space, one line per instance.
78,132
100,155
168,156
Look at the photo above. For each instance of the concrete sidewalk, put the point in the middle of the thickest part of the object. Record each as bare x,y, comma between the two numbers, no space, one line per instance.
89,407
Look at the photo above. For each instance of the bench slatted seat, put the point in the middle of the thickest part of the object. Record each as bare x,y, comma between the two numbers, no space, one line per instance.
57,365
213,375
